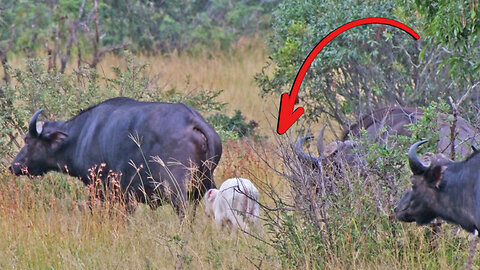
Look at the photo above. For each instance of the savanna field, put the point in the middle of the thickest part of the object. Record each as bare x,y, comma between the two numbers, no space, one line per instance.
46,222
231,61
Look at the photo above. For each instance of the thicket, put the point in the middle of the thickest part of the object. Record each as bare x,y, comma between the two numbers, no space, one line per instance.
91,26
344,217
373,66
341,214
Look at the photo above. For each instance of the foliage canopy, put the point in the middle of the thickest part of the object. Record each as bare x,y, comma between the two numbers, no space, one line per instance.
366,67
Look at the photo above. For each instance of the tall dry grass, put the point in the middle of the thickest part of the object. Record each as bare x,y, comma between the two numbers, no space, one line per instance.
46,222
231,71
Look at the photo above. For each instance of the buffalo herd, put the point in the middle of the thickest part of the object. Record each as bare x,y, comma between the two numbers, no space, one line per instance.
442,189
153,146
382,124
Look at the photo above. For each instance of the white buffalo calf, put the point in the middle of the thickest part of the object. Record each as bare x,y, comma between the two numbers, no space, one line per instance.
236,202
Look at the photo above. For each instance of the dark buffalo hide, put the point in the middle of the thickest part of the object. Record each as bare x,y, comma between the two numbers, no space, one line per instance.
444,189
156,149
382,123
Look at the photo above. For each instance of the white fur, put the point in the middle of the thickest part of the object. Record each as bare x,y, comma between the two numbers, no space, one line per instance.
236,202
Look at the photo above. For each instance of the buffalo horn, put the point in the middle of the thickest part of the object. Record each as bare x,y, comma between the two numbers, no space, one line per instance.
32,127
314,161
320,147
416,165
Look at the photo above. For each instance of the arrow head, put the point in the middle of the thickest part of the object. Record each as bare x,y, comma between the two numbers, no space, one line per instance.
287,116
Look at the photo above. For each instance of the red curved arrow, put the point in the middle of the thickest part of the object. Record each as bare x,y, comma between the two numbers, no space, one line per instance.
287,115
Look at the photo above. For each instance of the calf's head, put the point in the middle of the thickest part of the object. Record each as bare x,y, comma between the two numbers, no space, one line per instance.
419,203
209,198
40,152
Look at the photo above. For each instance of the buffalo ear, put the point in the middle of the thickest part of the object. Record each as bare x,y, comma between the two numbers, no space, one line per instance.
56,139
434,177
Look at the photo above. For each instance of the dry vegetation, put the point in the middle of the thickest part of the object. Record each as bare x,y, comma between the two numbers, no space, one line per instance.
46,223
232,72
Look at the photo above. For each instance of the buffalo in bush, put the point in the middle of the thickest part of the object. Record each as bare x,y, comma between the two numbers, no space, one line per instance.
161,151
382,123
445,189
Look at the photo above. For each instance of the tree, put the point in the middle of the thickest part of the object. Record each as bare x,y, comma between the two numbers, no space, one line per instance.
455,26
92,28
362,69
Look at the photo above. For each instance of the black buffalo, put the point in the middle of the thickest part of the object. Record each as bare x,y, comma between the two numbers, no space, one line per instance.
158,149
393,121
445,189
336,151
382,123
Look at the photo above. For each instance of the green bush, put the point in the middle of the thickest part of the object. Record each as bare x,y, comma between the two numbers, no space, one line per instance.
364,68
150,26
346,218
234,127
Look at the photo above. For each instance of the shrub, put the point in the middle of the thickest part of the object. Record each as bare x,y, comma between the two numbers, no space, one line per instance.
346,218
234,127
364,68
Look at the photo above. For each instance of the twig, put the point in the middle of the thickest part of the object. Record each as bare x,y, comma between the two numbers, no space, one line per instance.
72,39
452,128
454,107
95,36
99,54
53,63
259,266
13,139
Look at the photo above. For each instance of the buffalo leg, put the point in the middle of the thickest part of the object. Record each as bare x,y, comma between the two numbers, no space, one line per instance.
178,194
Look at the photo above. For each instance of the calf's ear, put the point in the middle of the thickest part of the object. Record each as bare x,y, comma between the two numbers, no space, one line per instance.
434,177
211,195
